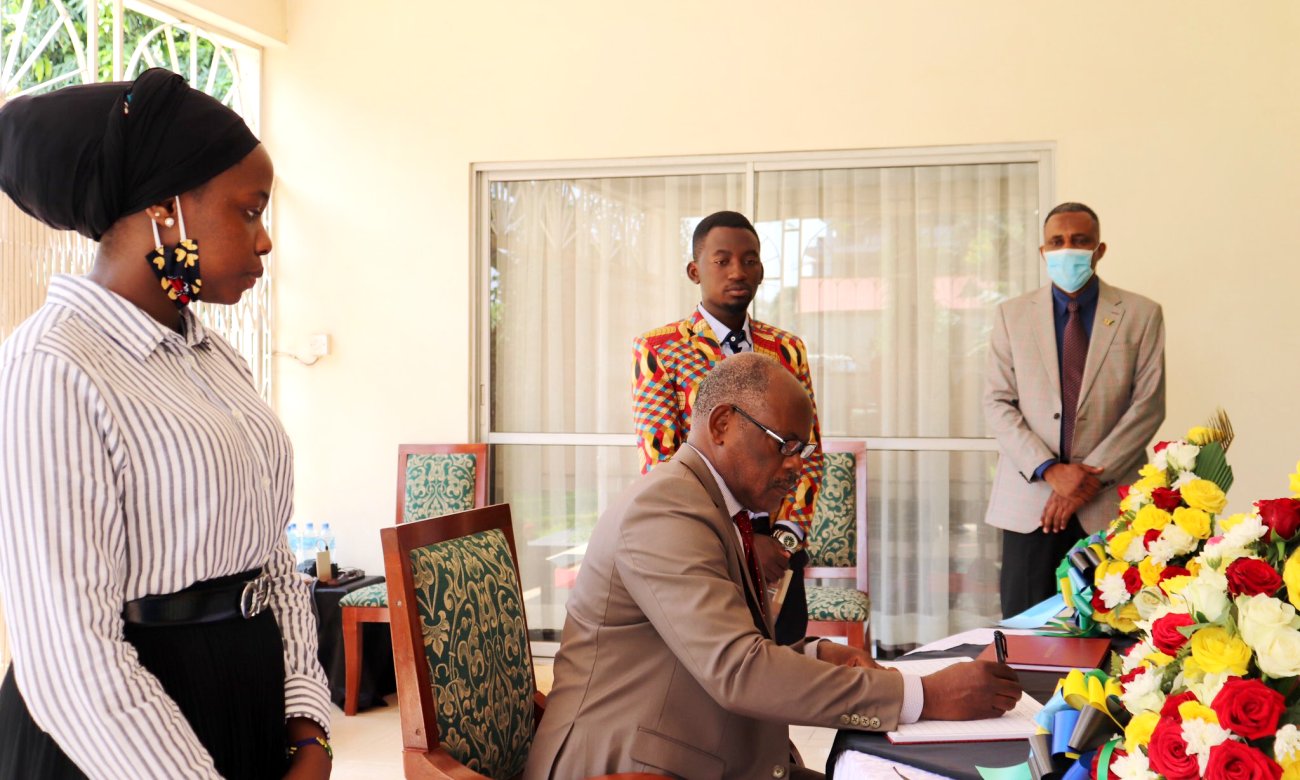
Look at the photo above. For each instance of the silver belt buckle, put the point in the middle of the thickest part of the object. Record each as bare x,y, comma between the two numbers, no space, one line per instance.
256,595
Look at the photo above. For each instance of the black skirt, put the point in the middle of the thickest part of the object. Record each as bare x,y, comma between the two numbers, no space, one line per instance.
227,679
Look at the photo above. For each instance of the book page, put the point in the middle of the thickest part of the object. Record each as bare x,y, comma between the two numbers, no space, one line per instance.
1016,724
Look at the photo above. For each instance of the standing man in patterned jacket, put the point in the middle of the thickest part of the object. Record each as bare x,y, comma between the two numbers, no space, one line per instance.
671,361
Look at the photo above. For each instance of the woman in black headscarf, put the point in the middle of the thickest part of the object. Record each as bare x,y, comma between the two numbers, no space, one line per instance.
157,623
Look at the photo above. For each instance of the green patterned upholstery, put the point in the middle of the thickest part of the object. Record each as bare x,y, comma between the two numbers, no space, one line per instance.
476,643
833,539
838,604
438,484
370,596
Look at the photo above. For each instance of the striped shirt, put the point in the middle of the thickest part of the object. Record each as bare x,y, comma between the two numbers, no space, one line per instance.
134,460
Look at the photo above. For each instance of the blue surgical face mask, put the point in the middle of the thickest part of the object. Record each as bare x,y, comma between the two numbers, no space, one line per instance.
1070,269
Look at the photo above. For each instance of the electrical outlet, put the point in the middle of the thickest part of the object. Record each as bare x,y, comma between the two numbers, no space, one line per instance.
319,346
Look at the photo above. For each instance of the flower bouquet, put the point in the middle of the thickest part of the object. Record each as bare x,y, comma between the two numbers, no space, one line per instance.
1212,686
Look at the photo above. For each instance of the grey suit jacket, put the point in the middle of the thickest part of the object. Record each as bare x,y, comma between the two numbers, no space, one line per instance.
665,665
1121,401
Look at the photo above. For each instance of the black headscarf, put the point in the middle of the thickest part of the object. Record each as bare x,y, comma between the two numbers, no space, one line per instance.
82,157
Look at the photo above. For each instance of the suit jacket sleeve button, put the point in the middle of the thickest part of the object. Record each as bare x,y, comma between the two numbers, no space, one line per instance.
1056,416
844,719
875,723
778,772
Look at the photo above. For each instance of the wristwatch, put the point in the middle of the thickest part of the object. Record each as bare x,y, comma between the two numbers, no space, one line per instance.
787,539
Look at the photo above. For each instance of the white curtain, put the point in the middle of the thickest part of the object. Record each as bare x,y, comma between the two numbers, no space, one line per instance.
891,276
579,268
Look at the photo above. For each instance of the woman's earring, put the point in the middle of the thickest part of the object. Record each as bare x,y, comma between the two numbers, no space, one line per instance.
169,222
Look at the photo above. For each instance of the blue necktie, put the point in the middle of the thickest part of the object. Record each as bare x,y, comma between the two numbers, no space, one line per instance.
735,340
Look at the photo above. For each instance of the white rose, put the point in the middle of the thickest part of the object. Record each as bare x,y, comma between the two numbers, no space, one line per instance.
1181,541
1208,686
1279,654
1143,692
1133,766
1113,590
1287,746
1183,478
1151,605
1206,594
1161,460
1182,456
1260,617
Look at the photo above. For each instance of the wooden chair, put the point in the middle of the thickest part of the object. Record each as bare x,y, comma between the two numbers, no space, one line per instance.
837,547
432,480
465,684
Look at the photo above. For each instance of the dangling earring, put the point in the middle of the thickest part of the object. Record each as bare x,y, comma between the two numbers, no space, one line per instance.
177,267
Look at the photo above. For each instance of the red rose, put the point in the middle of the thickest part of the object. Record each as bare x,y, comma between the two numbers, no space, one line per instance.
1248,708
1166,499
1167,752
1252,577
1097,604
1281,515
1165,634
1149,537
1161,445
1232,760
1123,491
1132,580
1130,676
1170,710
1104,774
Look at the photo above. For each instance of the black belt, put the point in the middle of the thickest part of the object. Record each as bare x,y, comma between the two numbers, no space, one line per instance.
211,601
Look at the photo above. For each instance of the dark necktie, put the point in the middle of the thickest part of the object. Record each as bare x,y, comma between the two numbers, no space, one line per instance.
1074,353
746,526
735,339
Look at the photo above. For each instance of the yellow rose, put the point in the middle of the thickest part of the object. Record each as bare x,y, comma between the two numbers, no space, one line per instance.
1194,567
1158,659
1292,772
1192,671
1150,572
1204,495
1118,545
1151,518
1228,523
1201,436
1174,585
1194,521
1291,576
1126,505
1216,650
1194,709
1138,731
1150,471
1125,618
1295,481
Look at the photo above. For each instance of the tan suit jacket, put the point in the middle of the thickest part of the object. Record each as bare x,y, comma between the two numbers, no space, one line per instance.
665,664
1121,401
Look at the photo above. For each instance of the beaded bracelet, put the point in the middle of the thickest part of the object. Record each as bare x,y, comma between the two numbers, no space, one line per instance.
310,741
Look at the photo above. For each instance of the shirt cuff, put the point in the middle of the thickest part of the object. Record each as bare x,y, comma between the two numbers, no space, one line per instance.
305,697
913,699
792,527
810,647
1038,472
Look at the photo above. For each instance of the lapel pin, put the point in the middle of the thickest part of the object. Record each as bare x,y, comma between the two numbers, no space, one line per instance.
1109,321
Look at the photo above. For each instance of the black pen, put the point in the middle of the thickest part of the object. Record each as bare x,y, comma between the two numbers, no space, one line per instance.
1000,646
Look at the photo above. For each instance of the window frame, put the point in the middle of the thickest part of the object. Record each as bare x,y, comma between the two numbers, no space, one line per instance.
484,175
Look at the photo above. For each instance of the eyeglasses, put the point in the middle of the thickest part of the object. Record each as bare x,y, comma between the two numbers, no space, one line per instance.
788,446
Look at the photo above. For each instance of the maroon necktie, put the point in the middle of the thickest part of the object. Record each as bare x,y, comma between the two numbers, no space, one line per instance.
746,526
1074,353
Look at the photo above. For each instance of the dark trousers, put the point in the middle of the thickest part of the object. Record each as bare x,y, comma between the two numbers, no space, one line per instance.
1029,564
792,620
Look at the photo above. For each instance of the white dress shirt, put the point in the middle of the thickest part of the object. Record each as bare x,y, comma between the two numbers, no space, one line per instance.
913,693
134,460
720,332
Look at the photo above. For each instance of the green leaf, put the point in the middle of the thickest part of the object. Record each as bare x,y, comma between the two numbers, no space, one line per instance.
1212,464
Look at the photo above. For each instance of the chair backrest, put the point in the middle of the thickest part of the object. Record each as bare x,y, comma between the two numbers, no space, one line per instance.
438,479
460,640
838,535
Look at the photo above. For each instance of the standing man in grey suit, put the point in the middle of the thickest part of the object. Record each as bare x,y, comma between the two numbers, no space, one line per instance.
1074,393
667,663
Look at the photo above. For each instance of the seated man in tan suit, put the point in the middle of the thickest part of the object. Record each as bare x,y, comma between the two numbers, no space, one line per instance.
667,664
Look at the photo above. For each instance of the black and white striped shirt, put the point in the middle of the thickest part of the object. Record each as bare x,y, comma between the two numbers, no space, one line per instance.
134,460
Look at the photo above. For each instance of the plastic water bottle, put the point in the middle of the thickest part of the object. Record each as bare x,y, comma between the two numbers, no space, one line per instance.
309,541
295,541
326,539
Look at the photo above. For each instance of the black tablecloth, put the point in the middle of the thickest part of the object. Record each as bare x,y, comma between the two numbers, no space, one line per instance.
957,759
377,678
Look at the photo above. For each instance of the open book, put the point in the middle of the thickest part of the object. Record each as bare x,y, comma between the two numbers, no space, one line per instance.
1016,724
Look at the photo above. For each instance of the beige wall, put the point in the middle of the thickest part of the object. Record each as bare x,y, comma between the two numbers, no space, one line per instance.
1177,120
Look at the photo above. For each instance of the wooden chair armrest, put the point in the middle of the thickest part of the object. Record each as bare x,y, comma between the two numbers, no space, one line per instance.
437,764
629,776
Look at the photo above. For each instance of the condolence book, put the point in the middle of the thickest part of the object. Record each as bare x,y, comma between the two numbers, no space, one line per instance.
1050,653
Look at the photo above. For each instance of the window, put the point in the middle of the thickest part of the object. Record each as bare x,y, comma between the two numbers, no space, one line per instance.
47,44
888,265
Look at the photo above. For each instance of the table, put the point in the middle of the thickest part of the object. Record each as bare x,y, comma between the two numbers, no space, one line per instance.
957,759
377,678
